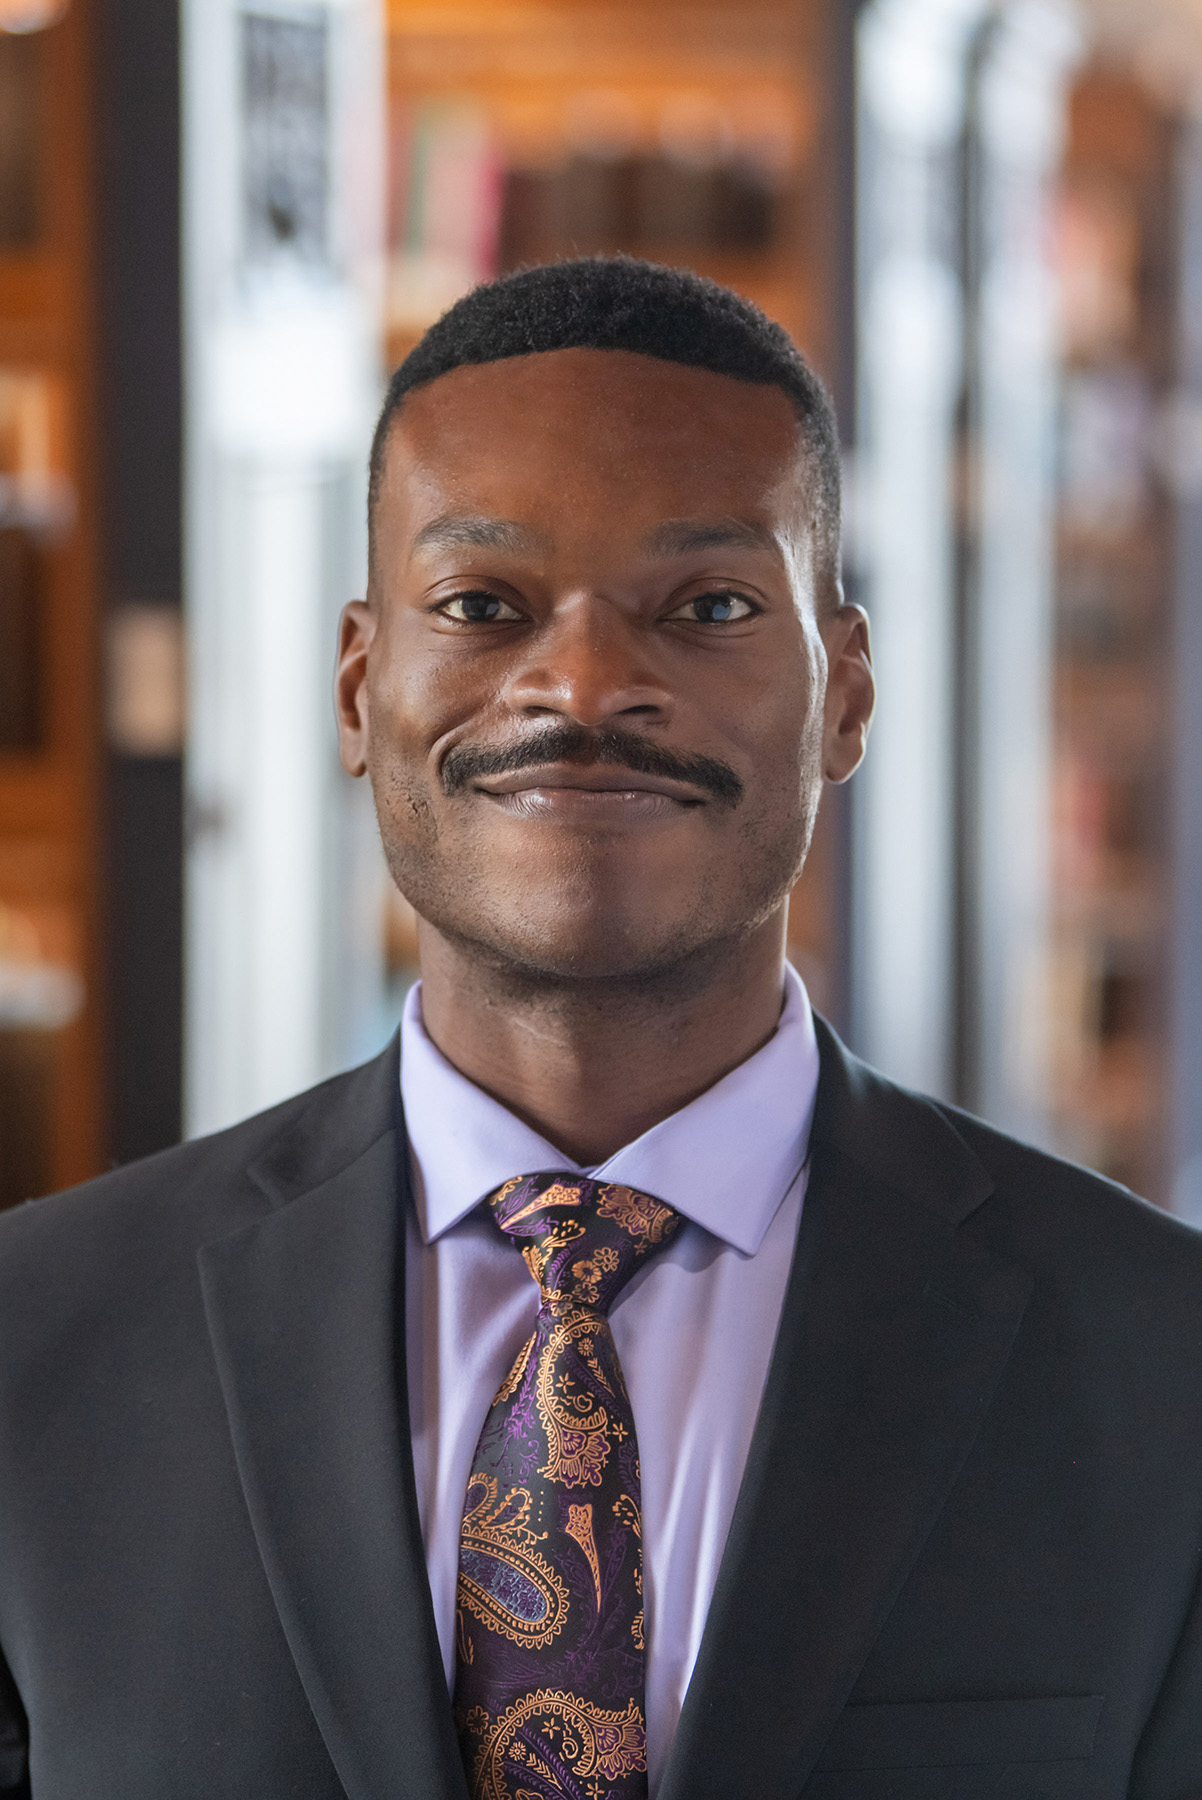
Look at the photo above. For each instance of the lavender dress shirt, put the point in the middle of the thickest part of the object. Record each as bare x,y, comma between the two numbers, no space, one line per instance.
694,1329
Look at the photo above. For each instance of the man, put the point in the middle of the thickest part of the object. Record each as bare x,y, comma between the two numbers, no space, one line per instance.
632,1393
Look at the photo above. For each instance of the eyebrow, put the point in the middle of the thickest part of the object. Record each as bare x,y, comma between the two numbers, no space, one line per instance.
684,537
475,531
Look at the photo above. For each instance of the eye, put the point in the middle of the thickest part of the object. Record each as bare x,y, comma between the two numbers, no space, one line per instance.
478,607
719,608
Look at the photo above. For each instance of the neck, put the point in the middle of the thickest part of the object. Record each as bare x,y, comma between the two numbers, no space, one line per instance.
593,1064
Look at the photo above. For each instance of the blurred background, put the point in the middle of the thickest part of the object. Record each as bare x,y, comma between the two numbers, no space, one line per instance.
222,223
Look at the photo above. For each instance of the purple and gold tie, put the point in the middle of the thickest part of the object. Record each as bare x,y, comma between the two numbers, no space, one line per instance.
549,1611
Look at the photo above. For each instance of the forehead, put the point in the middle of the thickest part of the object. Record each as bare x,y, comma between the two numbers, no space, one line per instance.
587,435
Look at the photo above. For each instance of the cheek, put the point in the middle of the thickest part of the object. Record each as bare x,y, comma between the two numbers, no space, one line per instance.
778,729
410,698
399,732
809,700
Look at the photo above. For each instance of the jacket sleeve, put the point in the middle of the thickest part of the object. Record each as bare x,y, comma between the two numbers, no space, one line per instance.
1168,1758
14,1740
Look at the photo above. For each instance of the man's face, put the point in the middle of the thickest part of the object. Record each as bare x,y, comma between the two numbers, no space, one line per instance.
590,683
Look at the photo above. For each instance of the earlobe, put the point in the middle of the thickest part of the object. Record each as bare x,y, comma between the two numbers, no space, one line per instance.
851,695
355,632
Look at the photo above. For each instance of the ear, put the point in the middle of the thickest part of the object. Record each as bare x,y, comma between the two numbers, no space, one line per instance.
356,629
850,691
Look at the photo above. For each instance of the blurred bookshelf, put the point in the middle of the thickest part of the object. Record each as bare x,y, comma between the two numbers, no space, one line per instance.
1042,445
1113,729
697,136
51,1103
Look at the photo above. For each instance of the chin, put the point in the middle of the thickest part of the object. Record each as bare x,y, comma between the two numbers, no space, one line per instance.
610,953
592,951
546,927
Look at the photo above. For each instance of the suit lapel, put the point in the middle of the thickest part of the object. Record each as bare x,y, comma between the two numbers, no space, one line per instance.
895,1329
306,1318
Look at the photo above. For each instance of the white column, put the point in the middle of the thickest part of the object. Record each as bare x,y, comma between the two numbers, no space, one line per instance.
283,181
1022,122
912,56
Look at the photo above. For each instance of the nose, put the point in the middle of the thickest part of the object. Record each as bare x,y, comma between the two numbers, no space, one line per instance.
591,663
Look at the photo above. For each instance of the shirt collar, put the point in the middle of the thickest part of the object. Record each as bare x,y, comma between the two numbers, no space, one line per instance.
726,1160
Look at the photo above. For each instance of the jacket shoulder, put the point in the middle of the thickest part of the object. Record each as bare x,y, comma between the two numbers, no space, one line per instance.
1042,1208
197,1190
1067,1199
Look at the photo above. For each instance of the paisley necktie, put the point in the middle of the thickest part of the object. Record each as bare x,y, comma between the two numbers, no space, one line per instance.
549,1611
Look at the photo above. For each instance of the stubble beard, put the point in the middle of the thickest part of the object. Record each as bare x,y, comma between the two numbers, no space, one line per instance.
609,967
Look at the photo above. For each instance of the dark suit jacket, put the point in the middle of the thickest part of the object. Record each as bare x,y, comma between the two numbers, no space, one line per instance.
963,1562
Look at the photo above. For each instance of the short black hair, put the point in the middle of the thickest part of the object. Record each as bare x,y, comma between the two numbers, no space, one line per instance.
623,303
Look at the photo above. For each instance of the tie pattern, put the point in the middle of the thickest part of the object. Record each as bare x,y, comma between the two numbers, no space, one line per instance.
549,1611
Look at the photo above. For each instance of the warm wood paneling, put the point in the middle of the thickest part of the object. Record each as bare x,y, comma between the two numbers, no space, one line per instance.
50,964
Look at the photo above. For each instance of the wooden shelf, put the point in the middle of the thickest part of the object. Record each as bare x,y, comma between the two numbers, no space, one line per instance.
40,794
51,1079
1111,714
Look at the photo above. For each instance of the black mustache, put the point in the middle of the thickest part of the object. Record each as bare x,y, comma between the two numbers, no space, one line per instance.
575,744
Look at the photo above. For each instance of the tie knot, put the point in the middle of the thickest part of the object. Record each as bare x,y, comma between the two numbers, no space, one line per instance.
582,1239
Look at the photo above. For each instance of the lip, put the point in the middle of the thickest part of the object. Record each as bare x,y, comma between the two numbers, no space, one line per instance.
596,793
